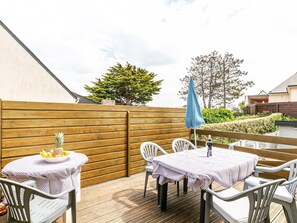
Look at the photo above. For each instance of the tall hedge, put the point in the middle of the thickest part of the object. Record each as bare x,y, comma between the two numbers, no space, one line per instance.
217,115
255,126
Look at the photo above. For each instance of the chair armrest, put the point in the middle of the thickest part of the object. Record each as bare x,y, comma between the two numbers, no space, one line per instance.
230,198
289,182
243,193
273,169
51,196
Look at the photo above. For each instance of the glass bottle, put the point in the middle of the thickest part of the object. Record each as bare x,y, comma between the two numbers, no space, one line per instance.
209,146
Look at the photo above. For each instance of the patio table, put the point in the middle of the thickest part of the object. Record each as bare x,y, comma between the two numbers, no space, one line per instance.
52,178
225,167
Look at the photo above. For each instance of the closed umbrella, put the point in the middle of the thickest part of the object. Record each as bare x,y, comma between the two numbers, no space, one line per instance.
194,117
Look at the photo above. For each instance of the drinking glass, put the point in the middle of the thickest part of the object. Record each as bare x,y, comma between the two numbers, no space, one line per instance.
186,150
231,148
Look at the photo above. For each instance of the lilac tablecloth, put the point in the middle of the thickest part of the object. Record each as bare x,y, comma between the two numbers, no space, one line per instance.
52,178
225,167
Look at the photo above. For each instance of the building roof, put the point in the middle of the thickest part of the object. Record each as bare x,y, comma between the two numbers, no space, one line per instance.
282,88
83,99
35,58
262,94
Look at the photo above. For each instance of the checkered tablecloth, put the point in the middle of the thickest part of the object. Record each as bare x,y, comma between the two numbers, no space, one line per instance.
52,178
225,167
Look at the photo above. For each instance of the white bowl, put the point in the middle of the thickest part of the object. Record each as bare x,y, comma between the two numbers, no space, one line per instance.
56,159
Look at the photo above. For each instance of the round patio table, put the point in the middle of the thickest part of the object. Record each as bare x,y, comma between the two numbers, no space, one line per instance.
52,178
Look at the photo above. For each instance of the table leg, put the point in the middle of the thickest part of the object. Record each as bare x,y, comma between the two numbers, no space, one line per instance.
159,191
185,185
202,206
163,197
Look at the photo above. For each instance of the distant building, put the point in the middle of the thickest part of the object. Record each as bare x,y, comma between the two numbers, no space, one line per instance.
285,92
84,100
281,99
24,77
262,97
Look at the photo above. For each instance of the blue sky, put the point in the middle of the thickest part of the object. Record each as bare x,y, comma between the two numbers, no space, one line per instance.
79,40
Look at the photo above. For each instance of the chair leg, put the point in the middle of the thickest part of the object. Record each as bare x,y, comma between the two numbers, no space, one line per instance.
290,212
73,212
207,208
145,183
73,206
267,219
185,185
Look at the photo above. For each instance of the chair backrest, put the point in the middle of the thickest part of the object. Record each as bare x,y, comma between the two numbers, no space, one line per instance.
260,198
180,144
18,197
149,150
292,175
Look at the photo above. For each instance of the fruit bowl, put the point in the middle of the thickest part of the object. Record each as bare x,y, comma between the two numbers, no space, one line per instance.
56,159
48,157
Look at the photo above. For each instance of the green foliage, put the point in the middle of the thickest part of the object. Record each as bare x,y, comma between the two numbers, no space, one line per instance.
261,125
217,115
59,139
242,117
127,85
239,111
288,118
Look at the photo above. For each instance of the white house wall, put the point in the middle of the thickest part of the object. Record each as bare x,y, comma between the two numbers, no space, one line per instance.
278,98
23,78
292,93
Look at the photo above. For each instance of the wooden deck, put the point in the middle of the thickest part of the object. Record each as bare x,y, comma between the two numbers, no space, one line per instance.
122,200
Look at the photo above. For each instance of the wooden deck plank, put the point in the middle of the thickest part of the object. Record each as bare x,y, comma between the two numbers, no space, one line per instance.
122,200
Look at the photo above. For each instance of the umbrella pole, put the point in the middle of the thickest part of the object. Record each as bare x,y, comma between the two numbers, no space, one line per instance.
195,137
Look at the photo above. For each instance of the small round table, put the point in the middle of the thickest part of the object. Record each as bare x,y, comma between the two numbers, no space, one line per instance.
52,178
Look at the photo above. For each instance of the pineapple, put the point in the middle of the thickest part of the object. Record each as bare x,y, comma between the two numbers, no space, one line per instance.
59,140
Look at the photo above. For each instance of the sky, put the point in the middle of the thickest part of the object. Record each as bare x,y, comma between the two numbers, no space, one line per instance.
79,40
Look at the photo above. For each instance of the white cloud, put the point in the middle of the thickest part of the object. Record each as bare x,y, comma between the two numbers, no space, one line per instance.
78,40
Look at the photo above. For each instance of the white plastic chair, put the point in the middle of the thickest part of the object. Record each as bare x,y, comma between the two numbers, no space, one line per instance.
30,205
149,151
179,145
250,206
285,194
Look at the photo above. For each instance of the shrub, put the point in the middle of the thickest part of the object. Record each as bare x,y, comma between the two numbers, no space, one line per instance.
254,126
288,118
217,115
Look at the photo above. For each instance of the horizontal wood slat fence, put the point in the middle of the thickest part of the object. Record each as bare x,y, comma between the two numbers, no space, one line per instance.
287,108
268,157
109,135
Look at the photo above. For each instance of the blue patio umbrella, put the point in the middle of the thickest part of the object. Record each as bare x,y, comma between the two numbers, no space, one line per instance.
194,117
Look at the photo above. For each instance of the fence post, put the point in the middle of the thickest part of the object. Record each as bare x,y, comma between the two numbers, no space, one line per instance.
128,144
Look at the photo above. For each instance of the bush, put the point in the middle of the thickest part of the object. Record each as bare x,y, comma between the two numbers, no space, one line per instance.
217,115
288,118
254,126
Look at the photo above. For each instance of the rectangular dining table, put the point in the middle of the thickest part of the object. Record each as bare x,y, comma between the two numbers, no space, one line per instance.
225,167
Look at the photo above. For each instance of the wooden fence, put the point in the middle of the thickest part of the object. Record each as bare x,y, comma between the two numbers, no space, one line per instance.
268,156
287,108
109,135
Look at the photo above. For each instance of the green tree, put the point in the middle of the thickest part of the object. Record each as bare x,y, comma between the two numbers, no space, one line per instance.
218,79
127,85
